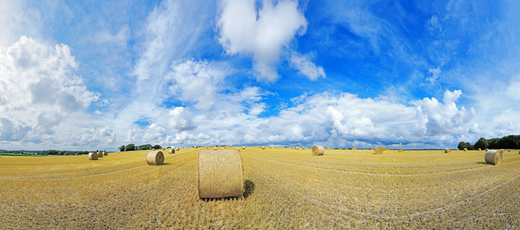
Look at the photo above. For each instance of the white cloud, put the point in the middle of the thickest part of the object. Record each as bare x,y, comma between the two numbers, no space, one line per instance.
181,119
474,129
306,67
435,74
263,35
119,39
38,89
199,81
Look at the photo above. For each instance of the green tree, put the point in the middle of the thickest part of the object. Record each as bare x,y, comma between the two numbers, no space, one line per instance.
157,147
462,145
481,143
130,147
122,148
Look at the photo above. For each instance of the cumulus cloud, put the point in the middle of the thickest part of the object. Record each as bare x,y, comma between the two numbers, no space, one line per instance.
306,67
198,81
181,119
38,89
262,34
155,134
474,129
340,120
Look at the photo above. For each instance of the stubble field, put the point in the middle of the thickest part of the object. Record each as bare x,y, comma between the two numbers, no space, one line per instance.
284,189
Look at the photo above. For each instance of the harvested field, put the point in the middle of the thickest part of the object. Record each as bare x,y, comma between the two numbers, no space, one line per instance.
283,189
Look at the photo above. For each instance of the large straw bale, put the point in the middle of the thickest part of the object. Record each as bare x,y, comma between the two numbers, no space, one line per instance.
105,153
318,150
155,158
493,157
220,174
401,150
171,151
447,150
177,149
99,154
379,150
92,156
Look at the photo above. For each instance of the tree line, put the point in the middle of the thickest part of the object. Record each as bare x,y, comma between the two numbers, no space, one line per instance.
45,152
132,147
506,142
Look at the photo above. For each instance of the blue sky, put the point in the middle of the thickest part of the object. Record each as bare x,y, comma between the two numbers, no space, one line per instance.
97,75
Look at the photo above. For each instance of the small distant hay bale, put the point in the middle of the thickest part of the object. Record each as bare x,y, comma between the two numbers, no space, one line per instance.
401,150
297,148
243,147
493,157
92,156
447,150
465,149
509,150
171,151
153,149
318,150
354,149
487,150
105,153
325,148
303,148
387,148
479,149
214,148
220,174
99,154
178,149
379,150
263,148
155,158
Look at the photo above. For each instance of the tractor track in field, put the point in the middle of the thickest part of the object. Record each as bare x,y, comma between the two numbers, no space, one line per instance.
95,173
377,173
395,217
511,160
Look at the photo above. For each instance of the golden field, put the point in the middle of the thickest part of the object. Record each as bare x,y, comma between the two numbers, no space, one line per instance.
285,189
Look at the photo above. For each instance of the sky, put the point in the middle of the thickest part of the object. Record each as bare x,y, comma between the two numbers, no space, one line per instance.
81,75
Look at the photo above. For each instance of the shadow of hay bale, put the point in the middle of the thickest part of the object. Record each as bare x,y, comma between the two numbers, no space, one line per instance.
249,188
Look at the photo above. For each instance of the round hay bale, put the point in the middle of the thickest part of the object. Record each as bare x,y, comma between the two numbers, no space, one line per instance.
493,157
155,158
401,150
263,147
153,149
177,149
105,153
379,150
387,148
354,149
465,149
303,148
92,156
243,147
220,174
318,150
214,148
99,154
171,151
447,150
297,148
509,150
479,149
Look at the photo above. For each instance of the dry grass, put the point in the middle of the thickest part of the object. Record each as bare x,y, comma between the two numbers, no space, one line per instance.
284,189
